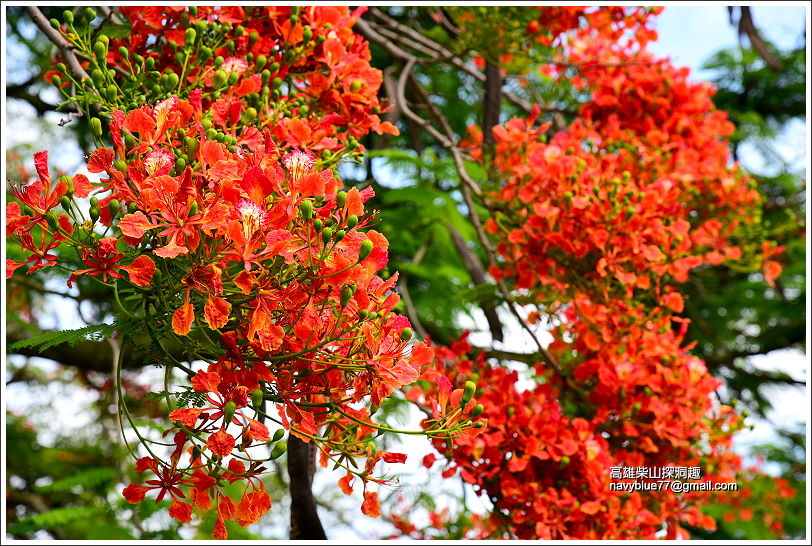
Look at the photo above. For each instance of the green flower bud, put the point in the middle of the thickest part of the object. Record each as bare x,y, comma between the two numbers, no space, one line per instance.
96,127
468,392
352,221
232,78
277,82
65,201
98,77
261,61
94,214
54,23
307,33
373,315
172,81
341,199
252,38
113,206
317,224
340,234
365,249
565,460
406,334
274,67
149,63
100,50
67,180
479,424
346,294
278,435
190,35
112,92
306,208
193,10
205,54
239,31
477,411
180,164
94,201
363,313
67,15
219,79
120,166
228,411
266,76
57,81
194,209
256,399
53,220
90,13
356,86
326,235
279,449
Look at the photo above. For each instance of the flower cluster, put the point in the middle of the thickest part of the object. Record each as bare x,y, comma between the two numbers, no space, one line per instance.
217,212
597,224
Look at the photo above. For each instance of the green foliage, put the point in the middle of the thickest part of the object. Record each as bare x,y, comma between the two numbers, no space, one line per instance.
46,340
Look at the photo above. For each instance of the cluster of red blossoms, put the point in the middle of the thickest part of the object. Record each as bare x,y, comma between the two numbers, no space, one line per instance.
237,240
596,226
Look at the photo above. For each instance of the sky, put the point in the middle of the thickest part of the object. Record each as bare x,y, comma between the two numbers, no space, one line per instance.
687,34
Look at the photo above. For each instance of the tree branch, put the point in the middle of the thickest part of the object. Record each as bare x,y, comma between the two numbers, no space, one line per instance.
65,47
748,28
304,519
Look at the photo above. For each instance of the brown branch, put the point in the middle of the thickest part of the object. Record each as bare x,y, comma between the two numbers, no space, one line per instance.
748,28
492,107
478,277
304,518
65,47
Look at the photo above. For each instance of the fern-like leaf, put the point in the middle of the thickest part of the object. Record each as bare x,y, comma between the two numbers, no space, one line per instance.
46,340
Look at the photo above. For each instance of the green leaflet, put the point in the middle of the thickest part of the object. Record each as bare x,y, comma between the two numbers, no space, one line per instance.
46,340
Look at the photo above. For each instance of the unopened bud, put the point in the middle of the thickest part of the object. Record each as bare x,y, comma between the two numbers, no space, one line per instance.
352,221
278,435
256,399
326,235
468,392
100,50
341,199
113,206
365,249
228,411
279,449
346,294
94,214
477,411
317,224
190,35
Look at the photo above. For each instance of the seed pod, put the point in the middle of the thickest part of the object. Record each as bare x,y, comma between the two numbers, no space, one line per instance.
190,35
341,199
352,221
406,334
278,435
256,399
113,206
306,208
477,411
468,392
365,249
94,214
279,449
228,411
317,223
326,235
346,294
